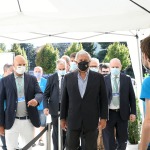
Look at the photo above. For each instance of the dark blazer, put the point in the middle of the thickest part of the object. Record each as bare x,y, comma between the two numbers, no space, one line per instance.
127,95
8,92
51,94
84,112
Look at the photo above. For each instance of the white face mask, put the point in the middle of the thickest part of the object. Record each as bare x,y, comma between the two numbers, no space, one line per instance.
61,72
20,69
95,69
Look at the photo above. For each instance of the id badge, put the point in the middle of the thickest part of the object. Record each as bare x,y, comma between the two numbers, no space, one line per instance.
21,99
115,94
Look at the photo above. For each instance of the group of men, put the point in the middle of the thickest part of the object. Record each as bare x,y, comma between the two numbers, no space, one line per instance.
87,98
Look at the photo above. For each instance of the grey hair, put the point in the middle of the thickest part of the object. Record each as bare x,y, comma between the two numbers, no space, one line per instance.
39,68
96,60
82,52
61,61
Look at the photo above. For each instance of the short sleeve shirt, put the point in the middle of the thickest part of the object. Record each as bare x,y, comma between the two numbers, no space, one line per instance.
145,91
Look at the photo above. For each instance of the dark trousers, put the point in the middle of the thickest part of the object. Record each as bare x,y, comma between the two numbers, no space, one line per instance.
73,139
3,142
115,121
55,133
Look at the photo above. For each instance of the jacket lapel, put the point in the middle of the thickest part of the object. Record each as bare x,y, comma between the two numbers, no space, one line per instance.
89,82
26,83
13,82
56,81
76,83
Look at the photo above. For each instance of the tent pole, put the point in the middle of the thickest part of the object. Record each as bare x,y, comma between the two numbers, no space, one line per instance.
139,58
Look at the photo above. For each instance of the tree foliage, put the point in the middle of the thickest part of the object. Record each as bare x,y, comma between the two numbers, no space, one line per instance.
134,128
120,51
61,47
1,50
3,47
101,55
74,47
46,58
18,51
31,54
104,45
89,47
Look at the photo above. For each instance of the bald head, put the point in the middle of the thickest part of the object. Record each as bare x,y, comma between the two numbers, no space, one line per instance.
19,65
115,63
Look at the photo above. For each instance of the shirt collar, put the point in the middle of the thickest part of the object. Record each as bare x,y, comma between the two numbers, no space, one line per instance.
87,74
22,76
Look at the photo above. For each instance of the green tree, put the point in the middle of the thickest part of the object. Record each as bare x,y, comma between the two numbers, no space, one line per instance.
16,49
120,51
74,47
1,50
46,58
61,47
134,128
89,47
3,47
31,54
104,45
101,55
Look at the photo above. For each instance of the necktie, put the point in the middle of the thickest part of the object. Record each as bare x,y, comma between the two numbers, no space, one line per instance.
115,91
62,79
115,85
61,86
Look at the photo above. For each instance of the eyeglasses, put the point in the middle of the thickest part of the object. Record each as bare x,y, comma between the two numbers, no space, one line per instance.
105,71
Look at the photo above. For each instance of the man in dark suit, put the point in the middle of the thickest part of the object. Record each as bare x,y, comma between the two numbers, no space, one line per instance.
84,104
22,94
122,107
52,96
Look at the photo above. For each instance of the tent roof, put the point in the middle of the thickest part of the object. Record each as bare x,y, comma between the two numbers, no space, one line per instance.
58,16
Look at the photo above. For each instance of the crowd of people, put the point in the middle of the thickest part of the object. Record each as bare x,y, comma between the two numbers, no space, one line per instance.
95,102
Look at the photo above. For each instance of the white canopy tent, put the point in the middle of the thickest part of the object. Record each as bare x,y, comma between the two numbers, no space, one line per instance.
80,20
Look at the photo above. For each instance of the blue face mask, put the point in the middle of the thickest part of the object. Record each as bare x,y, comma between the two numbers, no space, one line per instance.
95,69
61,72
115,71
37,75
73,66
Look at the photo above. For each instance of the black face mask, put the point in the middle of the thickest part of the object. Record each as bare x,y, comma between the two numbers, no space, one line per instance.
83,65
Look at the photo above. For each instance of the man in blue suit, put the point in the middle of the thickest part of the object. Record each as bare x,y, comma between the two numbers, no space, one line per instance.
22,94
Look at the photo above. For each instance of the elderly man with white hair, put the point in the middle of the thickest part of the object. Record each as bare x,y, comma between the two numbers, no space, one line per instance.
84,104
94,64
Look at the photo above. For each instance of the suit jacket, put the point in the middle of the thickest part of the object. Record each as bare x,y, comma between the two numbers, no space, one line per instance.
8,92
51,94
127,95
84,112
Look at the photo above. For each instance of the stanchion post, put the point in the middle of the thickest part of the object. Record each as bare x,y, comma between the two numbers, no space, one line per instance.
49,136
60,134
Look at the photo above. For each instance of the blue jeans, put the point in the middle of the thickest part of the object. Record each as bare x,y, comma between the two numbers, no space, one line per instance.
3,142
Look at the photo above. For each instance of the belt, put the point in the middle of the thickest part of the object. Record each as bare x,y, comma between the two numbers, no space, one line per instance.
116,110
22,118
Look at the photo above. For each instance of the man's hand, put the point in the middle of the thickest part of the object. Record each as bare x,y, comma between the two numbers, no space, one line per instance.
33,103
63,124
132,117
102,124
2,131
46,111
